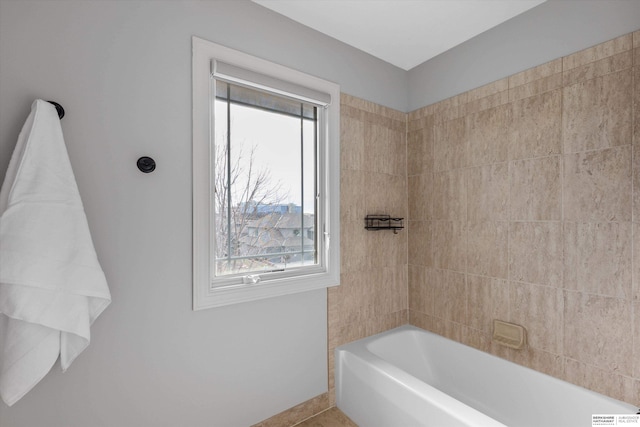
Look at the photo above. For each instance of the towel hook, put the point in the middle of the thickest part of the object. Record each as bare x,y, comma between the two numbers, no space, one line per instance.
59,109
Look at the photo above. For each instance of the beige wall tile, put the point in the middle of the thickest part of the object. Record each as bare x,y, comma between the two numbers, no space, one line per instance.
611,64
476,339
535,252
598,258
377,119
373,112
376,150
386,194
421,286
450,245
399,122
597,113
413,124
450,296
356,296
384,150
636,96
536,73
536,126
597,52
487,248
488,193
450,145
539,310
349,100
353,245
449,194
351,144
446,110
373,292
348,111
347,332
387,321
636,340
489,89
384,248
415,119
536,189
540,360
536,87
333,417
596,331
490,101
398,145
389,285
420,151
599,380
387,290
300,412
534,358
487,299
421,199
421,320
420,243
353,188
417,151
597,185
488,135
488,96
448,329
429,110
635,394
636,265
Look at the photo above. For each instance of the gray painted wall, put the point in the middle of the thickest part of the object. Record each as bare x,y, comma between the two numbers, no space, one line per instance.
122,70
548,31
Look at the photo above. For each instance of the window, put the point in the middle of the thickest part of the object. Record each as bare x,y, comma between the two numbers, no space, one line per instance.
266,178
264,182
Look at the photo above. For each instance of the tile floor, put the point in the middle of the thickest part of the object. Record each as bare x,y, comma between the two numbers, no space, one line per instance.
332,417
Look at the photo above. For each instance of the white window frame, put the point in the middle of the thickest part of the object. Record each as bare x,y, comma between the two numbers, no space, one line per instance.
279,79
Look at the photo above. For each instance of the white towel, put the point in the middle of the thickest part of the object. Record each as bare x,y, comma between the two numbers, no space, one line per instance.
52,287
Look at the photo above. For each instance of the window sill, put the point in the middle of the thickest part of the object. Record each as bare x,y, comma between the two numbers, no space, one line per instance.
234,294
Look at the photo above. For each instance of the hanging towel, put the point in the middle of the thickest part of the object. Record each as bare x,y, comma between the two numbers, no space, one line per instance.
52,287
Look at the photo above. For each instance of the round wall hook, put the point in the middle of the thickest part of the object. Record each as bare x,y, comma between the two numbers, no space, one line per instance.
146,164
59,109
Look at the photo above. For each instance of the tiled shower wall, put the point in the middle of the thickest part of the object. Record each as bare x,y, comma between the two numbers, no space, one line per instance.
524,205
372,296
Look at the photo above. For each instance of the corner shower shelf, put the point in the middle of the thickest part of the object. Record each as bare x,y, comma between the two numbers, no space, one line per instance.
383,222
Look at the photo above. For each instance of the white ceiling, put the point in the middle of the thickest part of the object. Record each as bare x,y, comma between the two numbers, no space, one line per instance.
404,33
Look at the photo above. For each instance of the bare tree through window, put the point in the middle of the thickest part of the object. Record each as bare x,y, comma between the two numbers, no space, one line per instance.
264,183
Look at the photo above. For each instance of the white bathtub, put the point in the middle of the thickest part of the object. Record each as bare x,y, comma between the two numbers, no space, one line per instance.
411,377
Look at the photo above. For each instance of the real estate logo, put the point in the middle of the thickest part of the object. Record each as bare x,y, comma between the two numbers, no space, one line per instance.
615,420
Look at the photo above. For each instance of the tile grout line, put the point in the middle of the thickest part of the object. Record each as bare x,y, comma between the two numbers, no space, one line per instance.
509,208
635,333
561,344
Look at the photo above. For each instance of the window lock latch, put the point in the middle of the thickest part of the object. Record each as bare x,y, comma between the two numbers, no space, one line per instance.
251,279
